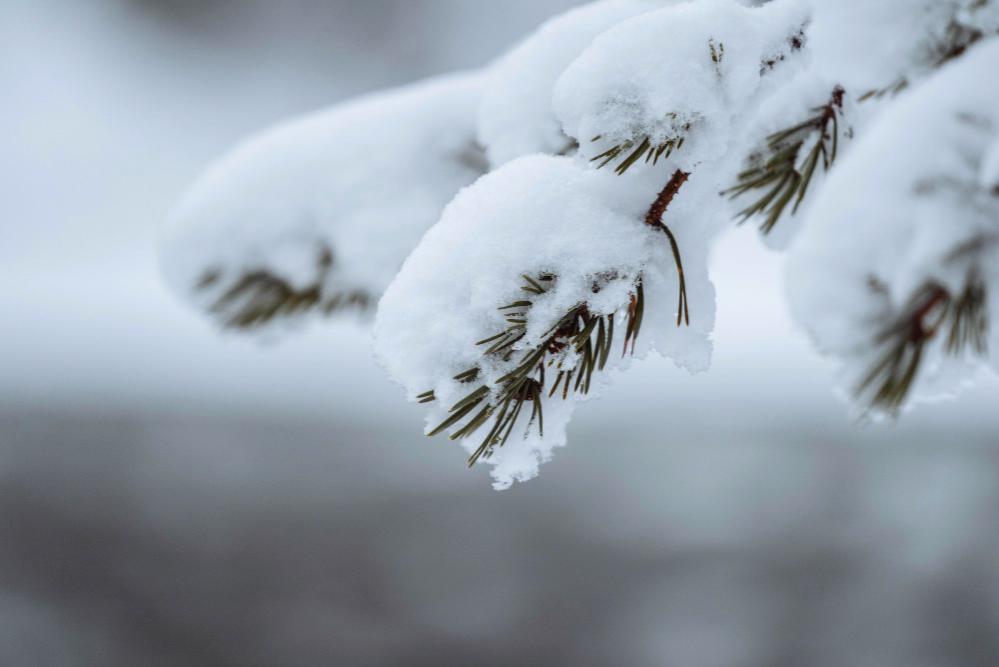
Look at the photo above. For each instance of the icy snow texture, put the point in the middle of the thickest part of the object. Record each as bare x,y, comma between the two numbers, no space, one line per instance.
538,214
894,211
697,64
516,116
361,182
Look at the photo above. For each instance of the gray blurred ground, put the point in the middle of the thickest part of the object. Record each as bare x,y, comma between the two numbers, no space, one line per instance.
172,497
214,542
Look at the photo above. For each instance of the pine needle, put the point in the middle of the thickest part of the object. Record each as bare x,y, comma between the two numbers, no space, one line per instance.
775,176
902,344
639,148
586,336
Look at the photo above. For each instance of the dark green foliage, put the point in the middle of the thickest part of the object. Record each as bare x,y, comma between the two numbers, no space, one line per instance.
958,39
888,91
683,305
586,337
903,342
637,149
717,51
258,298
773,177
969,321
575,347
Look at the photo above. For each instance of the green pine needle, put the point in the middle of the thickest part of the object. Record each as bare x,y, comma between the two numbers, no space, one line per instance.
639,148
258,298
587,337
891,90
775,178
889,381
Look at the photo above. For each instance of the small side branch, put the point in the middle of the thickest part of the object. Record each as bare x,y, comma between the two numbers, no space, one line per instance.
655,215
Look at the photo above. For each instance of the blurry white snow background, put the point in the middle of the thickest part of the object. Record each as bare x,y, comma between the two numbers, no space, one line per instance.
170,495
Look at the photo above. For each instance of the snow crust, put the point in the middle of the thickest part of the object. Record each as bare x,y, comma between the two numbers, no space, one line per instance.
359,183
896,212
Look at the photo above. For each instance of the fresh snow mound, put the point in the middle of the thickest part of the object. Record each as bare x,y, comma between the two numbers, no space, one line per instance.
688,71
516,116
332,201
534,216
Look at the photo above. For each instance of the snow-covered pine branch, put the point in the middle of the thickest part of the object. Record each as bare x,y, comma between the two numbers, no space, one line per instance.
317,214
862,54
622,138
893,270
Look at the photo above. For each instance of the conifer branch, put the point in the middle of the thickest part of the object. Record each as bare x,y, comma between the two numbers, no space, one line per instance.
575,347
890,90
780,175
959,39
903,342
572,350
259,297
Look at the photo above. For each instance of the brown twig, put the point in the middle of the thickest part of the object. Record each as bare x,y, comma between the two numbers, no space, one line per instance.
921,329
655,215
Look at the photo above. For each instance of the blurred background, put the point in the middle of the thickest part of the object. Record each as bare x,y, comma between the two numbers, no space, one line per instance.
173,496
